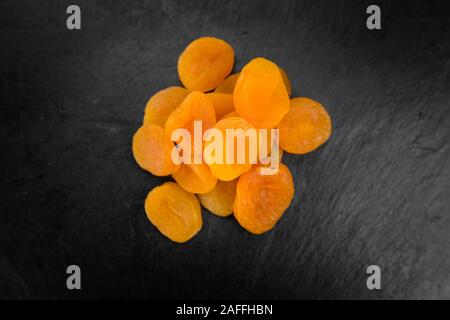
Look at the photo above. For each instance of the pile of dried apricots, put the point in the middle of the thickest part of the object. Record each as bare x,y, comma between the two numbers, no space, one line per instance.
256,97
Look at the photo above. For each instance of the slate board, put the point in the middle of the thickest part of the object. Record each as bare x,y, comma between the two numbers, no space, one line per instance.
376,193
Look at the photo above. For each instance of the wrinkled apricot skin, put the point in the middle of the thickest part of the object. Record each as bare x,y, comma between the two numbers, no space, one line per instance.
162,104
196,106
152,150
195,178
227,86
230,171
223,103
174,212
305,128
260,94
205,63
220,200
262,199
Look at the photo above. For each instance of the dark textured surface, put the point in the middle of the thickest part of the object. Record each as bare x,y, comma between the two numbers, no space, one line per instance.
376,193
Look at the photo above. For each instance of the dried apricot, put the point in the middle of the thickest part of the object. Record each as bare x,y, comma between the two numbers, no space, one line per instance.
260,95
195,178
231,114
224,169
227,86
230,82
306,126
174,212
262,199
223,103
196,106
220,200
152,150
162,104
205,63
261,137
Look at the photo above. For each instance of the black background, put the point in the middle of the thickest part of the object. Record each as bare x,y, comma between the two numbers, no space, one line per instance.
376,193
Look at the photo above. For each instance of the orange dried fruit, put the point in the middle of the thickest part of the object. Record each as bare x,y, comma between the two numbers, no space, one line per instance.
231,114
220,200
230,82
226,170
195,178
205,63
227,86
265,145
260,94
223,103
152,150
261,138
306,126
162,104
174,212
262,199
196,106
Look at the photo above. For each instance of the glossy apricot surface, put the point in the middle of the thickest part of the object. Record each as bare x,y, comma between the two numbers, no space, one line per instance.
205,63
226,170
174,212
306,126
195,178
222,102
152,150
227,86
220,199
195,107
260,95
162,104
